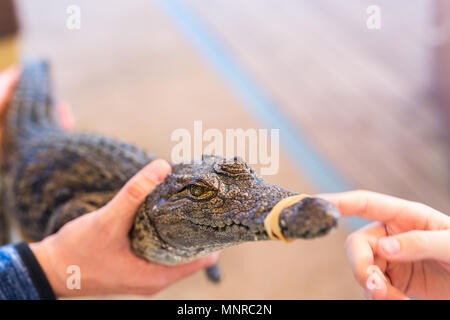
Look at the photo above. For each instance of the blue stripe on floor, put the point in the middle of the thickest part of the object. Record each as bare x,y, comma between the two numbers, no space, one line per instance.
309,161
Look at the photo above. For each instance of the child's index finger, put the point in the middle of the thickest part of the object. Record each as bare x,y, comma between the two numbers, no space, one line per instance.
383,208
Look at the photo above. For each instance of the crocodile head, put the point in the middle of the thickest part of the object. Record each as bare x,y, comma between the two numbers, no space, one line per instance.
209,205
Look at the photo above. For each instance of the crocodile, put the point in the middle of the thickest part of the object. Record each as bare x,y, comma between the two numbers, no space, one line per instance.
51,176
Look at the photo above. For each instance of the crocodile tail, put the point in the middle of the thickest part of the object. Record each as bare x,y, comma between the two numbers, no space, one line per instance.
31,108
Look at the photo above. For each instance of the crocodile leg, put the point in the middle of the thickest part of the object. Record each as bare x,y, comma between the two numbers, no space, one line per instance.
214,274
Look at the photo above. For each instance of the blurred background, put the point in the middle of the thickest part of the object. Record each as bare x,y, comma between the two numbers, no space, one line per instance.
356,107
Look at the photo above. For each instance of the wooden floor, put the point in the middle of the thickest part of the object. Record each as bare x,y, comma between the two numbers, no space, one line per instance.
360,96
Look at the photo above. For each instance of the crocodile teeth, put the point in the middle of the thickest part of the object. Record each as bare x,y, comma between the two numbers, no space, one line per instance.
221,224
227,226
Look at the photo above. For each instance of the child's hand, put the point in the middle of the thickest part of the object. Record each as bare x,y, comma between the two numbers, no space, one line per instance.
405,254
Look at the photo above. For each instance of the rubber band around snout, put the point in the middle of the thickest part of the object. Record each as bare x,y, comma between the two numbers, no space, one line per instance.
272,223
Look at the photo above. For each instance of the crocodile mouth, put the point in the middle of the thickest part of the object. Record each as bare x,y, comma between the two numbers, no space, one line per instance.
311,218
245,232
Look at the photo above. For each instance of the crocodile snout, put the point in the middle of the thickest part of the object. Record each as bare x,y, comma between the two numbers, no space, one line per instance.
311,218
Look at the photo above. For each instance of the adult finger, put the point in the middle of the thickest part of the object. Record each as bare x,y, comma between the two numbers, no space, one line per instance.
8,80
416,245
387,209
128,200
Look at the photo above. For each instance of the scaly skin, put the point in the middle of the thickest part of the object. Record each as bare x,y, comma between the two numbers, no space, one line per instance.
51,177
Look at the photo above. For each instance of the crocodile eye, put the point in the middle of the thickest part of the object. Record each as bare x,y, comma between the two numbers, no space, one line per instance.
197,190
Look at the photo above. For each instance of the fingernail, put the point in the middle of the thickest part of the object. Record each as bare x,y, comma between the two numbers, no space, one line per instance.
156,171
375,283
390,245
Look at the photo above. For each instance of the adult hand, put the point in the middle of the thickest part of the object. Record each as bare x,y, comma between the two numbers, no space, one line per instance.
98,244
405,254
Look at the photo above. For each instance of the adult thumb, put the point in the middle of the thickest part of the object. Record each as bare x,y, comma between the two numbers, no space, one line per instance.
416,245
128,200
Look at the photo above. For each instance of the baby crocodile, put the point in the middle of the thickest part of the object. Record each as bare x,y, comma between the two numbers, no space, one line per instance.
50,177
